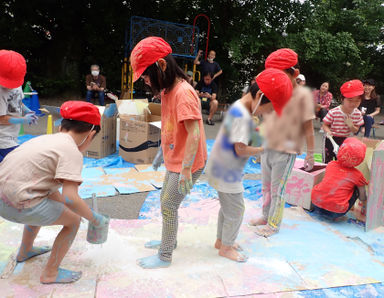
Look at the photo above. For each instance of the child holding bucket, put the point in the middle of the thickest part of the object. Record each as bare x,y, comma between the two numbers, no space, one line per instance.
30,177
344,120
342,184
12,72
231,151
182,137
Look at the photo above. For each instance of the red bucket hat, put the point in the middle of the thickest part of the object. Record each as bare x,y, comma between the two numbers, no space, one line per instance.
281,59
80,111
147,52
12,70
352,88
351,153
276,85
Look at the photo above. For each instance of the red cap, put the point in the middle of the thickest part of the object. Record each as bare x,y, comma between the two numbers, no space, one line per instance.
147,52
13,69
80,111
276,85
352,88
351,153
281,59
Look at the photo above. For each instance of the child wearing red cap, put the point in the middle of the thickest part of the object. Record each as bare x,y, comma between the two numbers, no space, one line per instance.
342,184
233,147
284,136
12,72
30,177
182,136
344,120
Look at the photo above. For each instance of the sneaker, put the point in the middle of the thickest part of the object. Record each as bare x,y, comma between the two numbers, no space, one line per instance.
209,122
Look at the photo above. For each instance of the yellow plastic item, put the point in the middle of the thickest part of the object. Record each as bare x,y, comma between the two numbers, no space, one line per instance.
49,125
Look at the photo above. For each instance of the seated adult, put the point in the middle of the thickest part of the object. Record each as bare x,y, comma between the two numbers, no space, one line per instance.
207,90
96,83
370,105
323,100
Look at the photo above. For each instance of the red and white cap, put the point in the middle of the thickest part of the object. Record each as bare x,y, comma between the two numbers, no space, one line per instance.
147,52
80,111
276,86
281,59
352,88
12,69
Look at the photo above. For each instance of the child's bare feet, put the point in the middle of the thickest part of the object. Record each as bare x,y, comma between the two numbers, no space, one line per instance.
61,276
265,231
258,222
236,246
23,255
231,253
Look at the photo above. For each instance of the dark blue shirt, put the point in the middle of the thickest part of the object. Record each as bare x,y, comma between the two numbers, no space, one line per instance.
212,68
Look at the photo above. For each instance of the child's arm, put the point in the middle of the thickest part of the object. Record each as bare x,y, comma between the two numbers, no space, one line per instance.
9,120
246,151
72,200
327,129
362,193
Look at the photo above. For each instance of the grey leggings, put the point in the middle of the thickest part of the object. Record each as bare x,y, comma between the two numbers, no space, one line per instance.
170,202
230,217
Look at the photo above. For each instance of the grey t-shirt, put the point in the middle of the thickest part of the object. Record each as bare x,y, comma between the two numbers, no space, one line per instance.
10,104
225,168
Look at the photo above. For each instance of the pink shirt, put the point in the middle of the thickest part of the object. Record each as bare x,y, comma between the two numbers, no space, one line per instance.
179,104
335,119
326,99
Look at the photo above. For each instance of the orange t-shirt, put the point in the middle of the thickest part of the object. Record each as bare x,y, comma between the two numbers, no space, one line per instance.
179,104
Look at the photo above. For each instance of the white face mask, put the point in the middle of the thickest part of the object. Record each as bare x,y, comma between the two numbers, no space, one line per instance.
83,141
95,73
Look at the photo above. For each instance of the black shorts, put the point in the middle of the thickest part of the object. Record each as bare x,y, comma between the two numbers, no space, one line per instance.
205,103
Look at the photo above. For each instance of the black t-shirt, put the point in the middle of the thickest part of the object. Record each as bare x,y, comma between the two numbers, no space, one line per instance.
211,88
212,68
370,104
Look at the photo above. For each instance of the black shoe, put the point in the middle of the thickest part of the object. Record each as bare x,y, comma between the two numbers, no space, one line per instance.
209,122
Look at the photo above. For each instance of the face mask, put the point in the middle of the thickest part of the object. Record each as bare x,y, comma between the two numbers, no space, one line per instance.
95,73
210,59
254,110
82,142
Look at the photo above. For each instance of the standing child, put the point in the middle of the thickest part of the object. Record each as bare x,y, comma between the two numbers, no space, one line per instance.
232,149
30,177
182,137
344,120
342,185
12,71
284,139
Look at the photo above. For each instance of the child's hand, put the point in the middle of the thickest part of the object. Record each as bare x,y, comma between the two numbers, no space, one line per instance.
30,118
99,219
309,162
348,121
185,181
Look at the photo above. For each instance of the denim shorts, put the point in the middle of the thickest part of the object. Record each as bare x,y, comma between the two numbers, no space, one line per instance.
43,214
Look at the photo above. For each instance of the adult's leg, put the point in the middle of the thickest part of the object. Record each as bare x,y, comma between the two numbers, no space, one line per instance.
89,95
282,164
368,122
322,114
232,207
52,273
101,98
213,105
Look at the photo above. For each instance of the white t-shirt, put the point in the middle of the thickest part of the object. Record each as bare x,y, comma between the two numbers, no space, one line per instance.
224,166
10,104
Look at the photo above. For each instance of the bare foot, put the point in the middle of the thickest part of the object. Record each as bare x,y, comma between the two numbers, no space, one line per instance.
232,254
258,222
236,246
61,276
265,231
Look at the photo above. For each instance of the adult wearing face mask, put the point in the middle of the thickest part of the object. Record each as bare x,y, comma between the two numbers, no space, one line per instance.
96,83
208,66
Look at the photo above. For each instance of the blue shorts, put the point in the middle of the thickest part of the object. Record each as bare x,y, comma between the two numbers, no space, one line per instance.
4,152
43,214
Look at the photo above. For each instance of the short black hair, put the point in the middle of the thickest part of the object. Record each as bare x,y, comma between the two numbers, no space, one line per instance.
205,74
253,90
291,70
164,79
78,126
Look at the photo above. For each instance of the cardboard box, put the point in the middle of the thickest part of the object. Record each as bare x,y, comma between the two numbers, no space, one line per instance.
140,135
104,143
300,183
373,170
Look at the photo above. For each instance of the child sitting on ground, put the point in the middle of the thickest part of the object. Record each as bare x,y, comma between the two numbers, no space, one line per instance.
232,149
30,177
12,71
342,185
345,119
